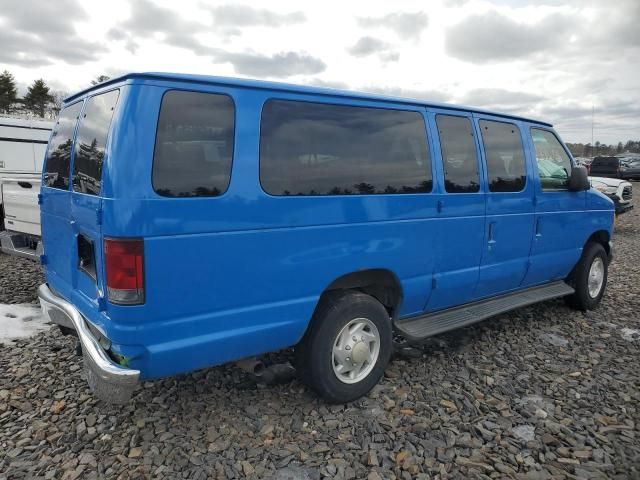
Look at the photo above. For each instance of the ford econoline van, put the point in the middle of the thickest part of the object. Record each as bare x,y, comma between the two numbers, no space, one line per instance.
190,221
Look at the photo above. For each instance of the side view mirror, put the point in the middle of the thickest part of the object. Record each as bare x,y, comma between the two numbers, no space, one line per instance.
579,179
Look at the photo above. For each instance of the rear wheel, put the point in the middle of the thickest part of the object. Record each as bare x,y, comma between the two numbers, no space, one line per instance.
589,278
346,348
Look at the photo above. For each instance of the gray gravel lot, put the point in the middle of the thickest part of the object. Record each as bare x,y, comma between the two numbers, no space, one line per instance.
543,392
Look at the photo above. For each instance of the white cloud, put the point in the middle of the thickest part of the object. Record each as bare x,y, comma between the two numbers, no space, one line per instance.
495,37
407,25
366,46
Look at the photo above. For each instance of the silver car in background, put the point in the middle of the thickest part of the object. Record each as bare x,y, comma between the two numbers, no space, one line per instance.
620,191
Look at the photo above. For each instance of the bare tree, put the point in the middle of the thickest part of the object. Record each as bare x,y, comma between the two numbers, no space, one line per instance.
100,79
56,103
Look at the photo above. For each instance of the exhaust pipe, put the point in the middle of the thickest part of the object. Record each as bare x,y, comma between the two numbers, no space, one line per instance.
252,366
271,375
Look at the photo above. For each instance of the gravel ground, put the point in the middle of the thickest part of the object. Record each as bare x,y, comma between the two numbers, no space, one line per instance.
543,392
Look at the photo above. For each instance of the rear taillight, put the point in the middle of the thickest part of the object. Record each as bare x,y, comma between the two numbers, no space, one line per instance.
124,265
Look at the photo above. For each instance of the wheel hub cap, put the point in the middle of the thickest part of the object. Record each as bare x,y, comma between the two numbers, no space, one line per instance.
596,277
360,353
356,350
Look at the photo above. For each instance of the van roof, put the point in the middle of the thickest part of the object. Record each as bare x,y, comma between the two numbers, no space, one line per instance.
287,87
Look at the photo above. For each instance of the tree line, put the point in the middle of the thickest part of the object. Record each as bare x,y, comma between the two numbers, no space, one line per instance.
588,150
39,100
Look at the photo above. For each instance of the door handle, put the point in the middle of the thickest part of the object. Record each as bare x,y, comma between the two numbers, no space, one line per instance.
492,228
538,227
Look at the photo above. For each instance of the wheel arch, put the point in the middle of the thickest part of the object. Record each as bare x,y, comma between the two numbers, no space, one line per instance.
381,283
602,237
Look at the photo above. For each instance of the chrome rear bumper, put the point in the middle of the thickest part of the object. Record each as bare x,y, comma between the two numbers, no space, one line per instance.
108,380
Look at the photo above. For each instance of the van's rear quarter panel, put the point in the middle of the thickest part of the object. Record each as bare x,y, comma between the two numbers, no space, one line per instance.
217,297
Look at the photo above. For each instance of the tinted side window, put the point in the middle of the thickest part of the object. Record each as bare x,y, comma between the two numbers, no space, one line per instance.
505,156
91,142
554,165
56,174
459,155
319,149
194,144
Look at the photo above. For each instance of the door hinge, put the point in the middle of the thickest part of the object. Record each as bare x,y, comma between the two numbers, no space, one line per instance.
440,204
102,304
99,216
434,282
43,259
39,199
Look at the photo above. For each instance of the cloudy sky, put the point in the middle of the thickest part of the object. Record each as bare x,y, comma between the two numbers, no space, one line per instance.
553,60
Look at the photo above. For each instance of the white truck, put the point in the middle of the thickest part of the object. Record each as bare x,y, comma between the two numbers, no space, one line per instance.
23,143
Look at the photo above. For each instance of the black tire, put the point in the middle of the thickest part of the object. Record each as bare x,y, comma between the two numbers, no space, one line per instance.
579,279
313,355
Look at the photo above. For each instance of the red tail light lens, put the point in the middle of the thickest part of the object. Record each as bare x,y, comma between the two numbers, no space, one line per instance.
124,265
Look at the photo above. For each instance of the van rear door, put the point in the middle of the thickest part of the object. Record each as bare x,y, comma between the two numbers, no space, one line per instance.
55,208
71,201
86,201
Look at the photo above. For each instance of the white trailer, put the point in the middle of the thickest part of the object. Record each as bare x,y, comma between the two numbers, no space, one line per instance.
23,143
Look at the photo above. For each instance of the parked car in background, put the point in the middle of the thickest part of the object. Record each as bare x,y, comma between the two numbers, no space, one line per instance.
190,221
619,191
23,144
630,168
627,168
605,167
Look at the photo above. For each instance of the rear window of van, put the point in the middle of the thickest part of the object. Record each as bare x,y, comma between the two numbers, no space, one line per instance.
321,149
57,167
91,142
194,144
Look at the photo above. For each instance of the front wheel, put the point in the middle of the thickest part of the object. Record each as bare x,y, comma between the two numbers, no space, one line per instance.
347,347
589,278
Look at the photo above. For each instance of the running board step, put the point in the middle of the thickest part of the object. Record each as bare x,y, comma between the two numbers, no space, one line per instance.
418,328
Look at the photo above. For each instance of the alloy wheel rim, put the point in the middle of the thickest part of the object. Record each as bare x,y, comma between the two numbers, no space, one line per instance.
596,277
355,350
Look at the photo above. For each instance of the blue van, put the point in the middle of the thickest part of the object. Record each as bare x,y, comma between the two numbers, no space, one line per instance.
190,221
